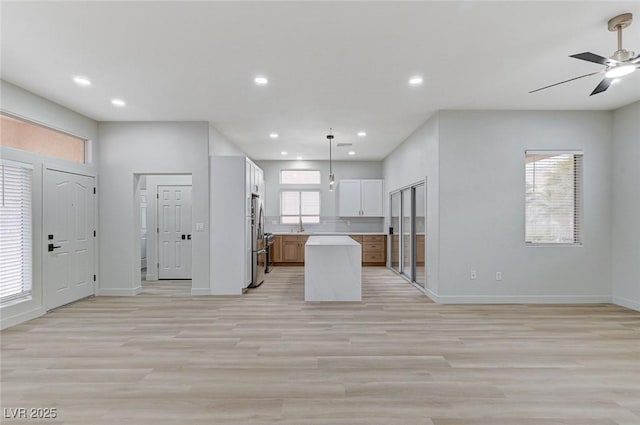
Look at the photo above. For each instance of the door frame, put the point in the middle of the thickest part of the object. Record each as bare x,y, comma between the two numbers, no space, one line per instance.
43,245
412,187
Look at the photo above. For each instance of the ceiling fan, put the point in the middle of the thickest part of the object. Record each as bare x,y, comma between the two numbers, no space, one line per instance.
621,63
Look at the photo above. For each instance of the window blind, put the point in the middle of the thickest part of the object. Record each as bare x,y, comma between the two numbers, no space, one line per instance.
553,197
15,230
296,206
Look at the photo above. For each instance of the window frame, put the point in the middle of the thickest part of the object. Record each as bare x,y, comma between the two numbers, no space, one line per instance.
299,184
578,198
300,215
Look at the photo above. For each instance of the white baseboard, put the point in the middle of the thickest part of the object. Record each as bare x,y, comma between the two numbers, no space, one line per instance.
7,322
522,299
196,292
626,302
434,297
118,292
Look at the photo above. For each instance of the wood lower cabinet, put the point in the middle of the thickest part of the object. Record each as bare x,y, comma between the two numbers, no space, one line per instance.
374,250
289,249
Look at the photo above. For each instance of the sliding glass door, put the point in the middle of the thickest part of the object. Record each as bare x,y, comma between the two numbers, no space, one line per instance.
407,249
408,233
394,245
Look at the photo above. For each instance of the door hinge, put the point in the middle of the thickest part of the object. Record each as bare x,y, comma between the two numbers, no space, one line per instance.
94,190
157,230
94,277
94,233
157,196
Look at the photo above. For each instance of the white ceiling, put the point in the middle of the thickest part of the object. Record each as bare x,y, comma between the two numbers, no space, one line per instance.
330,64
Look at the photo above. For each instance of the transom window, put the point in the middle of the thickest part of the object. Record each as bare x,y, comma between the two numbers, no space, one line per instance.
299,177
553,204
26,136
299,206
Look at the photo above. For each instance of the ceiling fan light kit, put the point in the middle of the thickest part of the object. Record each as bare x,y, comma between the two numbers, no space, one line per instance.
623,62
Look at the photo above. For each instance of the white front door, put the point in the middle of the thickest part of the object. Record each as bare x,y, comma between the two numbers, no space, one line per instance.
69,225
174,232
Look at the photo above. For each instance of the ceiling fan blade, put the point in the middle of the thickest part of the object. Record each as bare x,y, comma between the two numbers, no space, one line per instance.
603,86
592,57
566,81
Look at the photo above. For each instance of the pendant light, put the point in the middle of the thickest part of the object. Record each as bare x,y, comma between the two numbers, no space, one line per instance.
332,179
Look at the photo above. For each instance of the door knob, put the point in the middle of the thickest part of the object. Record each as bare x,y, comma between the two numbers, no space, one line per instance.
52,247
189,237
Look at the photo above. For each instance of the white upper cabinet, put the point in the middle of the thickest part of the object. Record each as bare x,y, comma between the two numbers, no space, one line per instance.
360,198
371,198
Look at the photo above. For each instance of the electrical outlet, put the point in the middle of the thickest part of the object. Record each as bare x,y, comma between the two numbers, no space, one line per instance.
474,275
498,275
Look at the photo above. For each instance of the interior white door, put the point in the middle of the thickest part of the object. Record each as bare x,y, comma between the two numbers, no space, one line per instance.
174,232
143,228
69,224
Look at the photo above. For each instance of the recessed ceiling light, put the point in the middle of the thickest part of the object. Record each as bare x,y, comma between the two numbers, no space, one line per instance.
273,135
299,158
82,81
283,153
118,102
615,81
352,153
415,81
361,133
261,81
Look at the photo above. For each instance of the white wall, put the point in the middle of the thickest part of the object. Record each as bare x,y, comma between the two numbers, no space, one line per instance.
131,148
415,159
26,105
328,200
219,145
482,208
626,207
152,182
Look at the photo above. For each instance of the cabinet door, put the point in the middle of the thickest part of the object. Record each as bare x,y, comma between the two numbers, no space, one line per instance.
302,240
349,198
371,191
290,249
275,250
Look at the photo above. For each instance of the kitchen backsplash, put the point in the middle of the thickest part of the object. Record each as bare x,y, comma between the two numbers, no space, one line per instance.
329,224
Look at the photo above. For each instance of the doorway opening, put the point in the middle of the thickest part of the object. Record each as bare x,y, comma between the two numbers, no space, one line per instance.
408,229
164,210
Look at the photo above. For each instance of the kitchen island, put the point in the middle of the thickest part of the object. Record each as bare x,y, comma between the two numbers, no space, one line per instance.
332,269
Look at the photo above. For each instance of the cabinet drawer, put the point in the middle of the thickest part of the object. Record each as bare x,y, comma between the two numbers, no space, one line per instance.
373,247
373,238
373,257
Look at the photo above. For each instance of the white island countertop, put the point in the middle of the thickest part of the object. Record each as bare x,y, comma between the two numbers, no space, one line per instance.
332,269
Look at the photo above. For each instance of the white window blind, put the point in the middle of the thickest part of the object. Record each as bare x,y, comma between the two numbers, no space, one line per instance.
296,206
299,177
15,230
553,197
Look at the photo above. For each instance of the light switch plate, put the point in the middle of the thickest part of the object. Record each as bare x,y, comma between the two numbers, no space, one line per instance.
199,227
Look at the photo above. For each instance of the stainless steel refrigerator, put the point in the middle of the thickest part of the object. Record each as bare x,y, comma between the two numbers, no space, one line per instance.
258,251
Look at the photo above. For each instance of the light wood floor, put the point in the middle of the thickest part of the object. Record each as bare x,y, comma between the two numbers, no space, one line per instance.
164,357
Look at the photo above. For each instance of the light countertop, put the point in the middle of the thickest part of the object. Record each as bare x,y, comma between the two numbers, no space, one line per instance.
329,233
330,240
